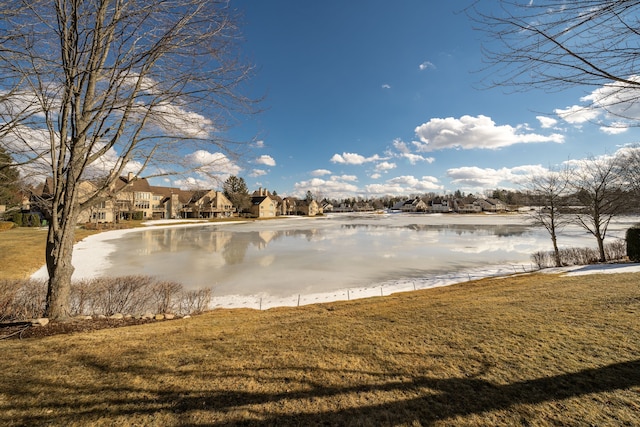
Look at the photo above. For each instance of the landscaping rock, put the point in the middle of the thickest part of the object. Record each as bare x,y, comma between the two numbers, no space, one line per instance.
83,317
117,316
169,316
147,316
159,316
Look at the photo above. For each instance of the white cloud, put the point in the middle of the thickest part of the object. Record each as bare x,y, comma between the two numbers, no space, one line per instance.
426,65
353,159
487,178
192,183
386,86
212,163
470,132
175,120
320,172
334,188
617,99
375,176
546,122
403,151
257,172
404,185
615,128
350,178
577,114
259,144
385,166
415,158
401,146
265,160
613,105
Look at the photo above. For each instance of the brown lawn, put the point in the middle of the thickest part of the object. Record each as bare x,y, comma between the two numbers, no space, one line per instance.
537,350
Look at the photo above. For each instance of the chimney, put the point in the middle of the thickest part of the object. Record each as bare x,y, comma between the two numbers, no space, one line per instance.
130,176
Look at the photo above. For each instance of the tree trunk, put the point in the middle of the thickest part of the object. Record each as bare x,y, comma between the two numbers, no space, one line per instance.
556,251
60,240
601,248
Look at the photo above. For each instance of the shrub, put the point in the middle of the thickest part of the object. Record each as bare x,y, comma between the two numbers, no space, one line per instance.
633,243
33,220
128,294
8,291
541,259
25,299
193,302
137,216
616,250
165,295
579,256
17,219
22,299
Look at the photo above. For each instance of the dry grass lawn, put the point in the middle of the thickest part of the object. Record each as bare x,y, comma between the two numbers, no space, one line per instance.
537,350
22,250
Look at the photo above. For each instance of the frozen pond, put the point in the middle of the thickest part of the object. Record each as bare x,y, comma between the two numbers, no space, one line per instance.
286,258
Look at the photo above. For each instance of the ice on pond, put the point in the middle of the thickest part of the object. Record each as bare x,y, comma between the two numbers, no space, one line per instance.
301,260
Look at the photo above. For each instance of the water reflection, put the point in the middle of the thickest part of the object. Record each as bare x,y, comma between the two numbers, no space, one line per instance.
506,230
287,258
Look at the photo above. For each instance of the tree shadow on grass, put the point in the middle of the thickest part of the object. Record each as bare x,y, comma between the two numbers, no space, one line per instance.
437,399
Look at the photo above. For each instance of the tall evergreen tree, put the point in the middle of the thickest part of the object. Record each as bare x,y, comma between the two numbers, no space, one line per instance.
235,189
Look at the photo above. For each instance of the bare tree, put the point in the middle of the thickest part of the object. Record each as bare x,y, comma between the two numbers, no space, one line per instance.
550,191
555,44
600,194
91,89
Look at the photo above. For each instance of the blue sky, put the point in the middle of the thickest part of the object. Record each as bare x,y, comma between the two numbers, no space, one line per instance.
373,98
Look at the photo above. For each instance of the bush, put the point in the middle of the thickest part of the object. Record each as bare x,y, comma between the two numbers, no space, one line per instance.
17,219
579,256
633,243
135,295
194,302
22,299
137,216
35,220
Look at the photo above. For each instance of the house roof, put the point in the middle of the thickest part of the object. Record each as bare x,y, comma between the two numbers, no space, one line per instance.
136,184
256,200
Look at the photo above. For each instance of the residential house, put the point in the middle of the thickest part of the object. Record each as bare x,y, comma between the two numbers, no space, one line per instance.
133,194
411,205
492,205
40,198
295,206
440,205
207,204
263,205
467,205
